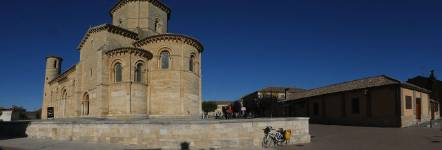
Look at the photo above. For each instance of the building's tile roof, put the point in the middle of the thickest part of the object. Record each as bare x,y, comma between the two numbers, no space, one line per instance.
415,87
137,51
223,102
156,3
282,89
352,85
109,28
64,74
171,37
277,90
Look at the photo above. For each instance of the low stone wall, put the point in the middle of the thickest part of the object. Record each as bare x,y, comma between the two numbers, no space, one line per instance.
170,134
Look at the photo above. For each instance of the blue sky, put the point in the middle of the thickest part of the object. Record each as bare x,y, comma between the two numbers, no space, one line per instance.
249,44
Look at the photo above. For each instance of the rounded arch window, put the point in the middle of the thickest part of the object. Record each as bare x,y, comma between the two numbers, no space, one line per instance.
192,63
165,60
139,72
85,105
118,72
55,64
157,25
64,95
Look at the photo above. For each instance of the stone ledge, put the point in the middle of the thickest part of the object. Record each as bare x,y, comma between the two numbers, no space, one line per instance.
160,121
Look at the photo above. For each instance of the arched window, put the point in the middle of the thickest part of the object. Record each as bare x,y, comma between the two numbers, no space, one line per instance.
85,105
64,97
55,64
157,25
192,63
118,71
165,60
139,72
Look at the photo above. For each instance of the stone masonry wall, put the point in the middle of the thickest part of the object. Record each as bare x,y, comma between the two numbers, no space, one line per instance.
170,134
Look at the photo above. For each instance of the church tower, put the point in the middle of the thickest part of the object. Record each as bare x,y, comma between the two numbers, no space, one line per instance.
145,17
52,70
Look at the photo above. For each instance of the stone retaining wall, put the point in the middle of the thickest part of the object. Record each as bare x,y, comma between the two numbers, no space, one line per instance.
170,134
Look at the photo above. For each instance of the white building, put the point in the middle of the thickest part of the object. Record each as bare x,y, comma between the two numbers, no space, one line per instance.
8,115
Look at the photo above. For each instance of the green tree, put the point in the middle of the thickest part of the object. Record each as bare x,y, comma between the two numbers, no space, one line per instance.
21,111
209,106
38,114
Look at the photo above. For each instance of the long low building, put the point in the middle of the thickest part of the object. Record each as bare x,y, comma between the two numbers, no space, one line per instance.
372,101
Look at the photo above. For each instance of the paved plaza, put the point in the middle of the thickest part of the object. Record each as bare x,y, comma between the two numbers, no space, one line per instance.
323,137
329,137
37,144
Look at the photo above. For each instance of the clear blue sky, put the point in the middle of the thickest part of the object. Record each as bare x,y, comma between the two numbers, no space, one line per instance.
249,43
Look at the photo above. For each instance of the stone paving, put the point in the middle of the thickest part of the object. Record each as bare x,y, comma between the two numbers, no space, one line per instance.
329,137
323,137
34,144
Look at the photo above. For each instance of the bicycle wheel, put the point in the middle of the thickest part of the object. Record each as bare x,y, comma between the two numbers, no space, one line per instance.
266,142
274,142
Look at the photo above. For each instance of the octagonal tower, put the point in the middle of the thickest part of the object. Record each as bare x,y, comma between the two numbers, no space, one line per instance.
145,17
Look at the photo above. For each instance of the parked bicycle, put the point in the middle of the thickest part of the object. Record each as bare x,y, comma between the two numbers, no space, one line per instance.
274,138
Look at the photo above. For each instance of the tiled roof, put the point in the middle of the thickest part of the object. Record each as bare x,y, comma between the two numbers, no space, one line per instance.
64,74
415,87
226,102
109,28
137,51
282,89
156,3
171,37
346,86
53,56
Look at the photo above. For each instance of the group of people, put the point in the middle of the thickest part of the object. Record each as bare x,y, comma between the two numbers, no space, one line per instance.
229,112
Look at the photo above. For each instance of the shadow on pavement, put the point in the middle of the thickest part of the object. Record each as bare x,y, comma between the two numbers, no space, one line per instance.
12,130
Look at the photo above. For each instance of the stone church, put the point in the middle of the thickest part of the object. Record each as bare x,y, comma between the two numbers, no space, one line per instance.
130,68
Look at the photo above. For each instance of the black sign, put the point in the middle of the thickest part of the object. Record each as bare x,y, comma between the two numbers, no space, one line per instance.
50,112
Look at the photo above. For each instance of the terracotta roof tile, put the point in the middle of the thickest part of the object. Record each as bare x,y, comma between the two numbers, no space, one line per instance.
346,86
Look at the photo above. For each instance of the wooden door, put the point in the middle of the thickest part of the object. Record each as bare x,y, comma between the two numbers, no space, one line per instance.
418,108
